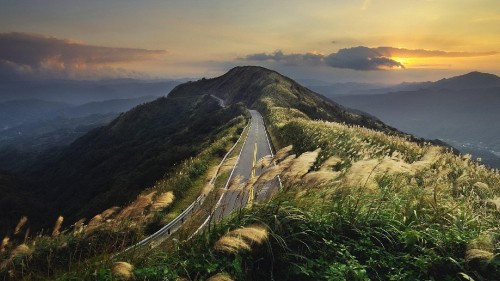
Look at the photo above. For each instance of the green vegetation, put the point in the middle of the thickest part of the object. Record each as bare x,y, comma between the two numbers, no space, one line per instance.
84,245
427,215
111,165
369,206
358,203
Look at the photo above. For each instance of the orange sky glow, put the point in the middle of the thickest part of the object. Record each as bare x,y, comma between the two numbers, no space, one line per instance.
303,39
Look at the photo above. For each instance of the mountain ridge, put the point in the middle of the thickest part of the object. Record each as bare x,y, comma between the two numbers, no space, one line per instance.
350,195
254,86
97,162
458,110
474,79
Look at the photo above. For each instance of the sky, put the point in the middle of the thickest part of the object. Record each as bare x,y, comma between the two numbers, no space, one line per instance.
387,41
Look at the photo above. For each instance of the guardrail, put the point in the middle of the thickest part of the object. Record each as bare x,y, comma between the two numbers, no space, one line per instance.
207,220
169,228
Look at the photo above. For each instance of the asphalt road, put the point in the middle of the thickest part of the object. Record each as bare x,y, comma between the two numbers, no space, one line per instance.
255,147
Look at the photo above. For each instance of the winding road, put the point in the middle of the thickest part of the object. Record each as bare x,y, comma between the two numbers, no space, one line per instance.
256,145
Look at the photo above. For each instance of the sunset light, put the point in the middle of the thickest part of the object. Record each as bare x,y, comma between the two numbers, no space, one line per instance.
151,39
230,140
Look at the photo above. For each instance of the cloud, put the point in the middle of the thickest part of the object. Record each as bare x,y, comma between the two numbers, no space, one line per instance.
288,59
360,58
421,53
38,55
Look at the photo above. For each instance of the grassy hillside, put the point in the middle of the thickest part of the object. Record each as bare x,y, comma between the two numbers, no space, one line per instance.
68,252
357,203
110,165
16,201
365,206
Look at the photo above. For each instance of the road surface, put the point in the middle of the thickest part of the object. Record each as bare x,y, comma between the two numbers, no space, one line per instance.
221,102
255,147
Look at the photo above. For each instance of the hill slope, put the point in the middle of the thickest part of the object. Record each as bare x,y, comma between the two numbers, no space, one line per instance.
110,165
356,204
262,89
459,110
34,127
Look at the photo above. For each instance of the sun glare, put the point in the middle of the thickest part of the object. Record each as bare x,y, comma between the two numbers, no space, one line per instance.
403,61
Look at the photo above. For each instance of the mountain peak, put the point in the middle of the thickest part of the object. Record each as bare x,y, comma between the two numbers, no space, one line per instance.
250,69
264,89
240,84
478,76
470,80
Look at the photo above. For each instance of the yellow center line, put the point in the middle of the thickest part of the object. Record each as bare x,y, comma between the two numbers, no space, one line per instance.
254,159
251,191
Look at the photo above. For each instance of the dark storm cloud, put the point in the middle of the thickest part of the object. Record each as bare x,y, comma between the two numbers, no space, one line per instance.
359,58
29,54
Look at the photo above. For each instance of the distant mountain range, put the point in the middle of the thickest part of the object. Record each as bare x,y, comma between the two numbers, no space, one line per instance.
462,111
355,88
18,112
79,92
31,127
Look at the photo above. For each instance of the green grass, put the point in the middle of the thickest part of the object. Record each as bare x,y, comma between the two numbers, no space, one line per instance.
417,225
392,209
73,253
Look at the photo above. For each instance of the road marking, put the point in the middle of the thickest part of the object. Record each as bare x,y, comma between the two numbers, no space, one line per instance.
210,216
169,227
254,159
256,123
251,192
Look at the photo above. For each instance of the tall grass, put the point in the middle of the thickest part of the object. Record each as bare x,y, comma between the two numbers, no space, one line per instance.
357,204
367,206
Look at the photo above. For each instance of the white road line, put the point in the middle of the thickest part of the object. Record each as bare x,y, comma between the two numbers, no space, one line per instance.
182,215
225,186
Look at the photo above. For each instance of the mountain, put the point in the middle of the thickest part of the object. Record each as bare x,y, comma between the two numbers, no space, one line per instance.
261,88
17,201
80,92
472,80
100,107
110,165
22,145
20,112
354,202
458,110
31,127
332,90
341,89
17,112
